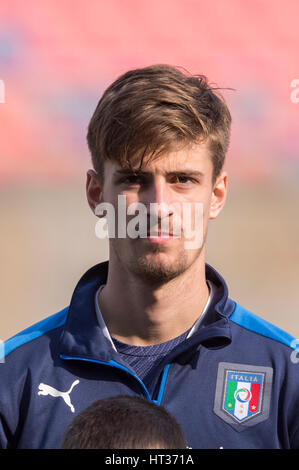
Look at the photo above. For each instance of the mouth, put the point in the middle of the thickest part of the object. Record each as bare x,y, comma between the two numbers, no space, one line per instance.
160,237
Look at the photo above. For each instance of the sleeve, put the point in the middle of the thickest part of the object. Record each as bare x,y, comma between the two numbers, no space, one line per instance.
291,400
5,435
295,440
13,380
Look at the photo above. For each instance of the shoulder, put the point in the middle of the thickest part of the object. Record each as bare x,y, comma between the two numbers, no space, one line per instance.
255,324
34,332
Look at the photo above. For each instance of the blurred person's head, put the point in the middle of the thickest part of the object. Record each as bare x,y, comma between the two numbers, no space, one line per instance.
159,137
124,422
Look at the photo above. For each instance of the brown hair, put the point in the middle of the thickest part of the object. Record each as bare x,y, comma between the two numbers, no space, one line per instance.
152,110
124,422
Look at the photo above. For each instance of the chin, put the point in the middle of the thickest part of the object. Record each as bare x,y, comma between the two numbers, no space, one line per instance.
158,269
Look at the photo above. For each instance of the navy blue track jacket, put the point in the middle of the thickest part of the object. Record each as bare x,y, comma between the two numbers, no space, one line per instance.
233,384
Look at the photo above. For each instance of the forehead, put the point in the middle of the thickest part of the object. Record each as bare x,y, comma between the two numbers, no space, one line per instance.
194,157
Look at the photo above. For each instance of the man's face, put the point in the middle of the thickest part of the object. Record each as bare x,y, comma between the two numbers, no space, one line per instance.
175,191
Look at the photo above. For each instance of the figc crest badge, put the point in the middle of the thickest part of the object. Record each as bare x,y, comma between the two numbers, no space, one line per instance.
243,393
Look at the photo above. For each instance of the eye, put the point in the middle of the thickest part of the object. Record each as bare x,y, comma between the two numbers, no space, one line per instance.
182,179
132,180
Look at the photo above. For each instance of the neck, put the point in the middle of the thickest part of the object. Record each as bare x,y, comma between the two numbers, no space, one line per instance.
138,314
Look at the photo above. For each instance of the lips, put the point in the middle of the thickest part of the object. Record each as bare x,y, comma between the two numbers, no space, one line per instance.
160,234
160,237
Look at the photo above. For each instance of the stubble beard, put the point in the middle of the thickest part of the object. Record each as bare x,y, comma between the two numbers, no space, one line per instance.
154,271
148,267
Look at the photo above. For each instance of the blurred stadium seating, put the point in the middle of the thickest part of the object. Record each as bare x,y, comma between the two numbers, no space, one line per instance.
57,57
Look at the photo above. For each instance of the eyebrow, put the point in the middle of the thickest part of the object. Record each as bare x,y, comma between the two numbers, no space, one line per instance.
125,171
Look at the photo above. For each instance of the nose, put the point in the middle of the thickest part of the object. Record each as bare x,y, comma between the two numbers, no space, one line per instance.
158,198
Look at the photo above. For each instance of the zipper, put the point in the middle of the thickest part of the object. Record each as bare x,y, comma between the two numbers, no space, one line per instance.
115,364
162,385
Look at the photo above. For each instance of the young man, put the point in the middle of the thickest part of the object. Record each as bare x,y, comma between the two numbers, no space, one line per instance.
124,422
156,321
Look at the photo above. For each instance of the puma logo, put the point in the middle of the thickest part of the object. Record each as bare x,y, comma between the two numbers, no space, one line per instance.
45,389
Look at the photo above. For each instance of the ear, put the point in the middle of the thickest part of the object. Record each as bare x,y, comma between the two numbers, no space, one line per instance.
94,190
218,195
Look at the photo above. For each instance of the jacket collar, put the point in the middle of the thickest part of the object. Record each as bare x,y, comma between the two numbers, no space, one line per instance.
83,337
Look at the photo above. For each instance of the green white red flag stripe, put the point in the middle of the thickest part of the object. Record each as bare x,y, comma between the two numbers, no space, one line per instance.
242,398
